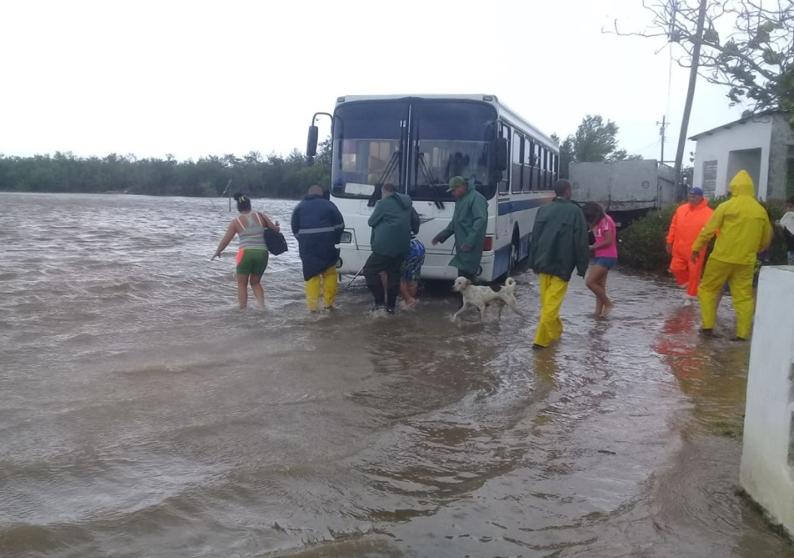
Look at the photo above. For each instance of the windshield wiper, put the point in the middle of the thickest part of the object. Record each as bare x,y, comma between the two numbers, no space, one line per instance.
390,166
428,174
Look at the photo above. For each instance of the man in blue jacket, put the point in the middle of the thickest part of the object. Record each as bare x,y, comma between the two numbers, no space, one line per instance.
392,222
318,226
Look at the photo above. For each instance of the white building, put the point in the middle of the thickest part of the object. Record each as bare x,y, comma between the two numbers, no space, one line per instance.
761,144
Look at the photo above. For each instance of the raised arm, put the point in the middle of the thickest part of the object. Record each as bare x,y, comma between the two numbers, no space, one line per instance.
445,233
414,221
377,215
709,230
231,230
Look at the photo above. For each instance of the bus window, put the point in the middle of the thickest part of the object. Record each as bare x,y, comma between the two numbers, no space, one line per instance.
548,168
537,185
504,181
518,152
545,167
555,161
527,165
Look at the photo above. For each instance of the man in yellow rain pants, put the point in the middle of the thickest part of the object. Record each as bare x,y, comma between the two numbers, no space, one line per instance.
744,231
318,226
559,244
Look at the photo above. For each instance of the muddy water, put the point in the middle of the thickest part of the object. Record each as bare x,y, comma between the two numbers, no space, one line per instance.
141,414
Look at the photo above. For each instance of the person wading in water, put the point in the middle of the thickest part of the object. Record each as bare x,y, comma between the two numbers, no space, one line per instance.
252,254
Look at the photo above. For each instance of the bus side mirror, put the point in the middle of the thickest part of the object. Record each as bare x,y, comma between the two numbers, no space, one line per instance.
311,142
500,154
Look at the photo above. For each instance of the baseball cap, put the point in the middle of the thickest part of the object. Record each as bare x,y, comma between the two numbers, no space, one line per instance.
456,181
696,191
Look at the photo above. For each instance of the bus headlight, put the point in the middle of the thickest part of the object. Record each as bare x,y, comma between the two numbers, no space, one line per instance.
347,237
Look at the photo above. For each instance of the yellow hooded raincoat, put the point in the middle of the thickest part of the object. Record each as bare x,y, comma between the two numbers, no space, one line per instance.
744,231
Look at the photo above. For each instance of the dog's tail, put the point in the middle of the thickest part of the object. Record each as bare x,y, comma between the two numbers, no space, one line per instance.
510,284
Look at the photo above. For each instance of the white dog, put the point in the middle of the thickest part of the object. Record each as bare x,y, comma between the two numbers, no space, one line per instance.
481,297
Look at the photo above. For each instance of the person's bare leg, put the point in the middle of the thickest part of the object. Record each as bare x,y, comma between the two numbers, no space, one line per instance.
413,290
405,292
608,304
259,292
594,283
242,291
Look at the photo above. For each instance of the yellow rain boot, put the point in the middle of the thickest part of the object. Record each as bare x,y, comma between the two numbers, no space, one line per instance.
312,287
330,278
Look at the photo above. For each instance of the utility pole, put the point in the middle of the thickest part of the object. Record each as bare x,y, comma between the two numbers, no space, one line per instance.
693,74
662,127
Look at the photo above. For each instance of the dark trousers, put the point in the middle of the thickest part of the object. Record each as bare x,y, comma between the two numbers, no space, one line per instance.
470,276
378,264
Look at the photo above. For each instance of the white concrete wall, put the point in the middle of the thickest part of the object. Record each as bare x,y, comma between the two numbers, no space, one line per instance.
767,469
753,134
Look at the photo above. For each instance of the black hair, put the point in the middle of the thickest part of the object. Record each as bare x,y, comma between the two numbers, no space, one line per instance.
243,202
593,212
561,187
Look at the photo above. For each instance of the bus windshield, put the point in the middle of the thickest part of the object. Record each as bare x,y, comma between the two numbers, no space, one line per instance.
415,144
451,138
367,145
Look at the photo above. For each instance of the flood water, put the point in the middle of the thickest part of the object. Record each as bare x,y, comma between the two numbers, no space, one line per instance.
142,414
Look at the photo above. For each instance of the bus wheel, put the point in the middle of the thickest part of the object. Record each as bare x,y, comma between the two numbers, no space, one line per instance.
515,253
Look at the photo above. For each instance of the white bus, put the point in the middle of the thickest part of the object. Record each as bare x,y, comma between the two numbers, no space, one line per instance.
417,143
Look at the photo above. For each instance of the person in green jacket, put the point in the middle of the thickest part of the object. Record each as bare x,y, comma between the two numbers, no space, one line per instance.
559,244
468,225
392,222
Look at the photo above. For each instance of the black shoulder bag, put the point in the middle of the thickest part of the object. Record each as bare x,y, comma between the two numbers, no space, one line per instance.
275,242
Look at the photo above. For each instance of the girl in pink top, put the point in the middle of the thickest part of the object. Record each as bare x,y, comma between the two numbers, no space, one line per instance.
605,255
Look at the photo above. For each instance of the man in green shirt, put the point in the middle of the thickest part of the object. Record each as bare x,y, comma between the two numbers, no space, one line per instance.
559,244
468,225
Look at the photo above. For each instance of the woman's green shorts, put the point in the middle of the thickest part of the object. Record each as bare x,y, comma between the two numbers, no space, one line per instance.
251,261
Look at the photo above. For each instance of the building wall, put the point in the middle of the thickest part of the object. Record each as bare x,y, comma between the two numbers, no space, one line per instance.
767,468
782,148
753,134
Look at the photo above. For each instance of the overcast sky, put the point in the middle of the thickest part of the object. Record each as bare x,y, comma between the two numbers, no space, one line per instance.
197,78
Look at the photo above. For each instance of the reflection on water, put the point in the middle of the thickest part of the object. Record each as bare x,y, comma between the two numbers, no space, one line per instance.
143,415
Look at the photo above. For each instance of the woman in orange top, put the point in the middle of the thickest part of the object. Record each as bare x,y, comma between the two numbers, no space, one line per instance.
687,222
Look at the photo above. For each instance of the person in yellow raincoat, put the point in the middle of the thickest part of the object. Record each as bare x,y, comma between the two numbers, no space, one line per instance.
744,231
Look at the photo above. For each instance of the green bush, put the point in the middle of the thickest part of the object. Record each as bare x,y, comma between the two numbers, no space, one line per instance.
642,244
776,255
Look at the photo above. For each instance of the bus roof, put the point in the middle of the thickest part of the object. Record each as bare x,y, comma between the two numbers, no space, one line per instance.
491,99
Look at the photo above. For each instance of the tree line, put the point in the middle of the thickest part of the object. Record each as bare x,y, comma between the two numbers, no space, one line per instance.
271,176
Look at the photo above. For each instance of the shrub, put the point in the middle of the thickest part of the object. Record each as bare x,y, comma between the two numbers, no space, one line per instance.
642,244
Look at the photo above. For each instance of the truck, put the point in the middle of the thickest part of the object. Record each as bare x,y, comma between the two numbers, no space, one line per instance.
626,189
